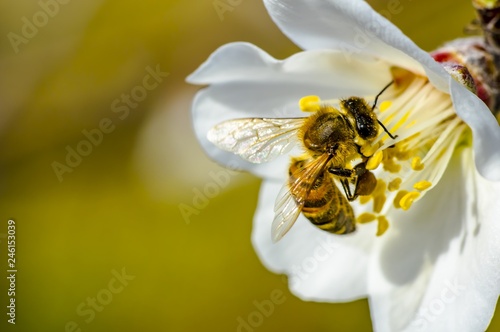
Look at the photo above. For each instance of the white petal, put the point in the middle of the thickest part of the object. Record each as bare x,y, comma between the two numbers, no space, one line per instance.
353,27
272,88
321,266
438,268
485,128
467,279
244,62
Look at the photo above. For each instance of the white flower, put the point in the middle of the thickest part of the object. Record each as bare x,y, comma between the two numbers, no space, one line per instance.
437,265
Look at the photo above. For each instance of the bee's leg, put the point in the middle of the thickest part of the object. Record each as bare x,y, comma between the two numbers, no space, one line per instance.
341,172
360,169
347,190
345,176
365,182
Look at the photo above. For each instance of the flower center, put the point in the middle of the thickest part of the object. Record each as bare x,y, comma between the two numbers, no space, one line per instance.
427,132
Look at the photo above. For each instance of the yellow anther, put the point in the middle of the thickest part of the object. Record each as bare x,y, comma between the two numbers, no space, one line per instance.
394,184
309,103
402,154
375,160
391,166
364,199
385,105
416,164
408,199
369,150
379,188
411,124
390,118
378,203
366,217
400,122
398,198
383,225
422,185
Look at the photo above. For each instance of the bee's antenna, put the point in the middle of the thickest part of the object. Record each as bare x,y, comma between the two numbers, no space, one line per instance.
381,92
375,104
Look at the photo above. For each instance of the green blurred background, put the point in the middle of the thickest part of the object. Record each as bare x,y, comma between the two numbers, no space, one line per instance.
117,211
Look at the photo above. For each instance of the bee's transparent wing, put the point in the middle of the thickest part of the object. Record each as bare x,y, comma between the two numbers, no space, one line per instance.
256,139
293,195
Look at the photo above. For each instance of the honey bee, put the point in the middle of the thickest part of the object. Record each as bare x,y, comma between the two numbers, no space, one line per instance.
332,139
323,202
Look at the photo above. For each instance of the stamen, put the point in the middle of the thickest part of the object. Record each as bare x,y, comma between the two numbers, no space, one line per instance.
416,164
375,160
379,188
378,195
364,199
309,103
369,150
382,226
397,199
385,105
394,184
391,166
378,203
422,185
366,218
408,200
400,122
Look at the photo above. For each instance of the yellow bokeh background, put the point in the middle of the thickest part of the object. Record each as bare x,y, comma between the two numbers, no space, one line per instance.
118,210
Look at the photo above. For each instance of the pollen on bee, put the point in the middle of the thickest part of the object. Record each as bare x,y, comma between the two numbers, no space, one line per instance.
408,200
422,185
366,218
370,150
416,164
385,105
309,103
383,225
375,160
394,184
